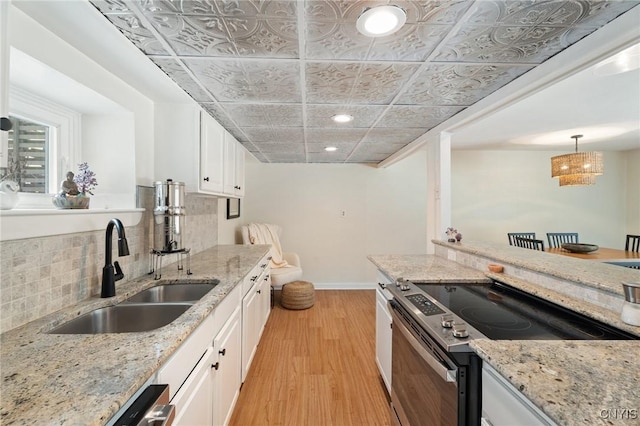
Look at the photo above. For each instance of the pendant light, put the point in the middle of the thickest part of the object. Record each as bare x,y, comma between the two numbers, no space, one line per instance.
579,168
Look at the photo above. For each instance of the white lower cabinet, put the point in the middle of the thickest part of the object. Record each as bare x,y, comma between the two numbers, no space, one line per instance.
206,372
256,306
383,330
250,327
194,400
227,347
503,405
383,338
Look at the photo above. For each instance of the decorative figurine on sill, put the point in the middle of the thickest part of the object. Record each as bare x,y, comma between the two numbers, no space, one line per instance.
68,186
451,233
75,189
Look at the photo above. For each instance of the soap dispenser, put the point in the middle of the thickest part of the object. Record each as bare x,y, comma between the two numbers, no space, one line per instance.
631,306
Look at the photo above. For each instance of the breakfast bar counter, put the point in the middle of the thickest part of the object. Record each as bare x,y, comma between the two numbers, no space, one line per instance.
572,382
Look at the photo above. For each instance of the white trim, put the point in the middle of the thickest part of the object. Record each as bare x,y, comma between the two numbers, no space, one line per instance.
4,78
31,223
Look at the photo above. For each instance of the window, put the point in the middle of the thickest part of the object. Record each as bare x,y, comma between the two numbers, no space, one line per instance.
43,142
29,155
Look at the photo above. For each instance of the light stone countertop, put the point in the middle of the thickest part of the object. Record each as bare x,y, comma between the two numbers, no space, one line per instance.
598,275
85,379
426,268
571,381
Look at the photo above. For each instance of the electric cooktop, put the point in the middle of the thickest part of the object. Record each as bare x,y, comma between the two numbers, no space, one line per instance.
501,312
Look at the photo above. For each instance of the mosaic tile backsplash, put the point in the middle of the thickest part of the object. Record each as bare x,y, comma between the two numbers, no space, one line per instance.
39,276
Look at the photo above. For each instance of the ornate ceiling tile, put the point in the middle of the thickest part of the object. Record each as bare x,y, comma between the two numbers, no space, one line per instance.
223,118
201,35
134,29
245,68
353,83
265,115
530,45
260,135
248,81
392,136
173,69
363,115
281,148
417,116
286,158
273,38
460,85
333,136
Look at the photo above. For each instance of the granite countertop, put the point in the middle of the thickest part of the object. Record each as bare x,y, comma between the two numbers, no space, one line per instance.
573,382
570,381
85,379
598,275
426,268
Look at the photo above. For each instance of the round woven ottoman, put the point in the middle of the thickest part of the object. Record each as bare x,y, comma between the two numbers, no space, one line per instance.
297,295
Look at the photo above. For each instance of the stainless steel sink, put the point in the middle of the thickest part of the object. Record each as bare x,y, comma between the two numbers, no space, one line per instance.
124,318
170,293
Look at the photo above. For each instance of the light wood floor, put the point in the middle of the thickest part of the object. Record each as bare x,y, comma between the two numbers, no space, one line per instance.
316,366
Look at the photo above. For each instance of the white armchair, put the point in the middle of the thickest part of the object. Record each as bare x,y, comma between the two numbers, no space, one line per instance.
280,276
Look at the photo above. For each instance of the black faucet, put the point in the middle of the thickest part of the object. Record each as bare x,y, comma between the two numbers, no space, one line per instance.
109,278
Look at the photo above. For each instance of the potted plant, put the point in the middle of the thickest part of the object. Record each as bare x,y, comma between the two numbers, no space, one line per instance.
9,185
75,188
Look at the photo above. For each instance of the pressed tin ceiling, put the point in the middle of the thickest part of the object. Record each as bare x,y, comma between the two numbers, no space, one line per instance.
274,72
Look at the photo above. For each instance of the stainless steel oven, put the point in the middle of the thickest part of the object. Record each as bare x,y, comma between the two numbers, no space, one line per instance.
435,376
430,386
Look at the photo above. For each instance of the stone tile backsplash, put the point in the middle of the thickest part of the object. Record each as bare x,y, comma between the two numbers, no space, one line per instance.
39,276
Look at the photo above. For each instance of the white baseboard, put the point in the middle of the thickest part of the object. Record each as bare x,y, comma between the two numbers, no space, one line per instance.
340,286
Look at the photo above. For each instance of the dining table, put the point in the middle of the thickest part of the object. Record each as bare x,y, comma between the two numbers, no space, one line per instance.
602,254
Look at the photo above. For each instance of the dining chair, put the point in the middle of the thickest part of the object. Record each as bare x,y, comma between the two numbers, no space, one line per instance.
511,235
529,243
633,243
557,238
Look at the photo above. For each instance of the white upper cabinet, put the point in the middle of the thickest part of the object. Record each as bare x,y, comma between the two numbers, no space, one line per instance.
212,160
192,147
234,166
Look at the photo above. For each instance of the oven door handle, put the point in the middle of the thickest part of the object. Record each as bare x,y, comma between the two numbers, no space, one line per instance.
442,371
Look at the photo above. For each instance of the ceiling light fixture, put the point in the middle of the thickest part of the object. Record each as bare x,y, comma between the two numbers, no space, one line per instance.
331,149
380,21
342,118
579,168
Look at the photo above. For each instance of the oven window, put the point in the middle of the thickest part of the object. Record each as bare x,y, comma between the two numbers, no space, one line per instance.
420,395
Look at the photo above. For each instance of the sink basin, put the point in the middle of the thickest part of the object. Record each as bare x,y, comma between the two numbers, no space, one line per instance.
127,318
171,293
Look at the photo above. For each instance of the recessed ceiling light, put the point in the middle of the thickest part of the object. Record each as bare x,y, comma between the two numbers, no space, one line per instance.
342,118
331,149
381,21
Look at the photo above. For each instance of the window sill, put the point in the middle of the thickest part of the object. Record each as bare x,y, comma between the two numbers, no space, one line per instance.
29,223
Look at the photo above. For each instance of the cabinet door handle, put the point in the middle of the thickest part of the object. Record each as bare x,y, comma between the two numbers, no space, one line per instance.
206,179
255,277
259,291
223,352
215,366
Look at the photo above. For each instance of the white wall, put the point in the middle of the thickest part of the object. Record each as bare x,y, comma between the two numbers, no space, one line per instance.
633,191
385,212
495,192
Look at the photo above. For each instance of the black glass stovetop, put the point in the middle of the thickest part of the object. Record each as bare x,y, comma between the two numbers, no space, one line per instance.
501,312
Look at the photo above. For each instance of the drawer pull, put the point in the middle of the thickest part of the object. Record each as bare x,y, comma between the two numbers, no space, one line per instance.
223,352
215,366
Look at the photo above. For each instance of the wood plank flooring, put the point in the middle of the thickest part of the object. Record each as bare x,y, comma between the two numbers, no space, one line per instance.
316,366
